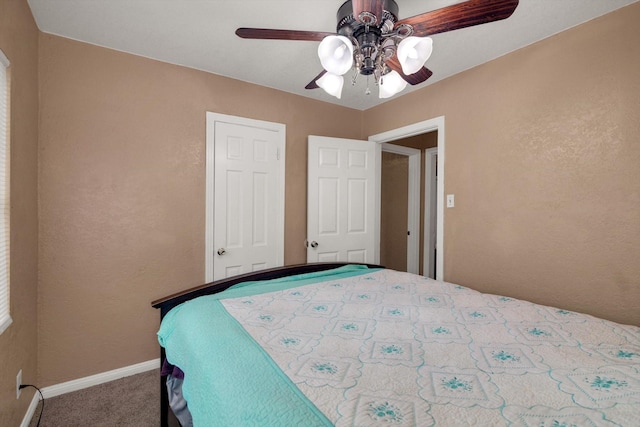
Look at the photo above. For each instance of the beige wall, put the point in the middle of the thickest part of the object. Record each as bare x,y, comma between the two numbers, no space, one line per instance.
543,156
122,181
18,344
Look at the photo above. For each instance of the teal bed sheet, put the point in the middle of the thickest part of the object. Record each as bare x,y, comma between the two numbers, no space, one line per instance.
229,379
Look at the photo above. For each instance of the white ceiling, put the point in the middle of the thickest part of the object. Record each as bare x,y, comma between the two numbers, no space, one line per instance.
200,34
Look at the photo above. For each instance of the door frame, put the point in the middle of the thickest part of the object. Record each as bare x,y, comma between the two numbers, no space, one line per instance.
430,125
430,214
413,207
211,119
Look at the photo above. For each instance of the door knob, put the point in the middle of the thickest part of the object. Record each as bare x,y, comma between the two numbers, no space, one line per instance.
314,244
221,251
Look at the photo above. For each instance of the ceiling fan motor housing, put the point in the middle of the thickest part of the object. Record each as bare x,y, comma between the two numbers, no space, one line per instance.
367,30
348,24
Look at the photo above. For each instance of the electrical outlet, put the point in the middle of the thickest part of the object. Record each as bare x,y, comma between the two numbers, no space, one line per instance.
18,384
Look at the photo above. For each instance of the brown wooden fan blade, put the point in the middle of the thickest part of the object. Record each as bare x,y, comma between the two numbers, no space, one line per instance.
414,79
375,7
270,34
461,15
312,84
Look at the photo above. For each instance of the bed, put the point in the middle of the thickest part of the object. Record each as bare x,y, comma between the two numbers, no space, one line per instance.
360,345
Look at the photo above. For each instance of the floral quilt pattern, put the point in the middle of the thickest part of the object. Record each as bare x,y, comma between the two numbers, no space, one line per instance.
396,349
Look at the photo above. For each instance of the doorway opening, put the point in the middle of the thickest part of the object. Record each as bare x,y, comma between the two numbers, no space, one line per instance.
423,136
400,208
394,227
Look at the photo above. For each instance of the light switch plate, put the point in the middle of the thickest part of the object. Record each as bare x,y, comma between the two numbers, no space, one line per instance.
450,200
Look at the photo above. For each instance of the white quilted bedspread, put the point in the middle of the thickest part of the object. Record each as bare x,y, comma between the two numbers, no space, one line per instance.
395,349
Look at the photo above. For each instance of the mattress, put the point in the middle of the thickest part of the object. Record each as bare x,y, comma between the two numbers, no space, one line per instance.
358,347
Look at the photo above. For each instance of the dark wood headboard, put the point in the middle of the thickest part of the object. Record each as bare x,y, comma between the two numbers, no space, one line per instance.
167,303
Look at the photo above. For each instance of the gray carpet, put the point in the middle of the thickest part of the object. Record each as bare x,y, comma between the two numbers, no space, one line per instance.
130,401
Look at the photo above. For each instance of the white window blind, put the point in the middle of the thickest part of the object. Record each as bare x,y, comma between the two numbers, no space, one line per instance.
5,317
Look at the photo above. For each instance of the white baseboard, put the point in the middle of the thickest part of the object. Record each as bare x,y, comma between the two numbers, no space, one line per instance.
80,383
31,410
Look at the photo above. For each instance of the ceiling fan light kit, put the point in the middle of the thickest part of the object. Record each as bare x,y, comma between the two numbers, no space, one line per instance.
413,52
373,42
336,54
368,27
390,84
331,83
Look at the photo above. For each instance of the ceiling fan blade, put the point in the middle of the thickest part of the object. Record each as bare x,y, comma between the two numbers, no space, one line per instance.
270,34
461,15
312,84
414,79
374,7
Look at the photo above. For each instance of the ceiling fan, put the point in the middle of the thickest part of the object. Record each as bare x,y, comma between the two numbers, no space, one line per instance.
373,42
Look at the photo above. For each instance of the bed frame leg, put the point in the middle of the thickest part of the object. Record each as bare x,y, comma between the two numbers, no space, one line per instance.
164,396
